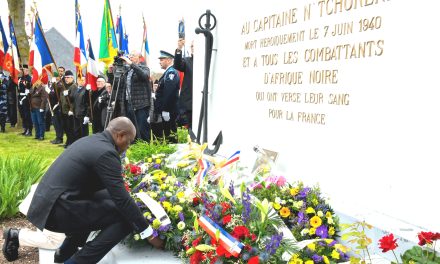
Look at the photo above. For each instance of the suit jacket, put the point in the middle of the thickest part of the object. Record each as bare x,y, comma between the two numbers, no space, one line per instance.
89,165
185,65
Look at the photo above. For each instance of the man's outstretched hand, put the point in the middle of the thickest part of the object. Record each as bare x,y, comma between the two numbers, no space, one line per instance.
157,242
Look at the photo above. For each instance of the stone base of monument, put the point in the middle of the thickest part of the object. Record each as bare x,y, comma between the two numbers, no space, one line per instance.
121,254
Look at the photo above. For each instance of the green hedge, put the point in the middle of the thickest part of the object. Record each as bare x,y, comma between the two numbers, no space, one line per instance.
17,174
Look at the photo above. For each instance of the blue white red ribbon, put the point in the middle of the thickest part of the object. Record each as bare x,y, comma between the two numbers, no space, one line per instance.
228,242
234,158
203,169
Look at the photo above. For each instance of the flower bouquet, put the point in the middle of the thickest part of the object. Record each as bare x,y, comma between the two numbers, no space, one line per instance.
307,215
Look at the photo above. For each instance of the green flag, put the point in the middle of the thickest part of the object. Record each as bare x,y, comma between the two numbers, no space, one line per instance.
108,46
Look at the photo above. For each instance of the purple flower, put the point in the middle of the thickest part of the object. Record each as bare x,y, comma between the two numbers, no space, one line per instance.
316,258
156,166
163,198
302,218
322,231
181,217
274,243
246,213
231,188
303,193
332,243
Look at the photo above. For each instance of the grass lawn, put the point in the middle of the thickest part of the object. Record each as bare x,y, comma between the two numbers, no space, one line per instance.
12,143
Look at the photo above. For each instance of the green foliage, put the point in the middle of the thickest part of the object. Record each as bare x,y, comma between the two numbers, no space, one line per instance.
418,255
17,174
356,235
142,149
182,135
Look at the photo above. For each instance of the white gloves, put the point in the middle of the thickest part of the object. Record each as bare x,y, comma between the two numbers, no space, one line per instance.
70,113
153,95
65,93
88,87
86,120
55,106
54,79
99,99
47,89
26,92
148,120
41,110
166,116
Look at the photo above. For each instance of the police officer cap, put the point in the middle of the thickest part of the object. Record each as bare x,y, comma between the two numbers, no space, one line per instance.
24,66
165,55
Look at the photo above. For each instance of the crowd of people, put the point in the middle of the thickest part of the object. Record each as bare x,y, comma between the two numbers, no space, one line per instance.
156,107
83,190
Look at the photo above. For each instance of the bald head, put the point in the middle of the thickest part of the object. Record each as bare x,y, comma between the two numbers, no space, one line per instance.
123,133
121,124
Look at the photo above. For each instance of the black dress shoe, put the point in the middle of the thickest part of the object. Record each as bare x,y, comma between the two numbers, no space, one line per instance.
56,141
64,253
28,134
41,138
11,244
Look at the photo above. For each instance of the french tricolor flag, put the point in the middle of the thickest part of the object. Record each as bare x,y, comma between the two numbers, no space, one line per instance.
234,158
11,62
79,55
4,46
228,242
92,68
40,57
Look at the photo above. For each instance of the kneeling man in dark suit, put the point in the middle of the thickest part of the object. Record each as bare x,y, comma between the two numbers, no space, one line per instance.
83,191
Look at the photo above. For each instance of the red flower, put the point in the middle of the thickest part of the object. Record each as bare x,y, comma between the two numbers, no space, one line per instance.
196,201
388,243
135,169
253,260
225,207
196,242
427,237
253,237
197,257
240,231
227,219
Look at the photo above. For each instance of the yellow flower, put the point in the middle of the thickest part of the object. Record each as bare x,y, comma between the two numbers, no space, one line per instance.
180,194
295,259
341,248
147,214
315,221
277,206
335,254
168,194
166,205
312,231
163,186
320,213
298,204
156,223
181,225
158,161
137,237
315,202
328,240
330,221
149,160
331,231
309,262
195,169
310,210
328,214
285,212
177,208
325,259
312,246
152,194
294,191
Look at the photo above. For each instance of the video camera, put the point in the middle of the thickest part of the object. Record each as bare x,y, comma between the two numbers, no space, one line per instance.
119,64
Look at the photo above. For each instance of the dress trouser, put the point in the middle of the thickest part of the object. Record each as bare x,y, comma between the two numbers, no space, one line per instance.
170,128
46,239
77,218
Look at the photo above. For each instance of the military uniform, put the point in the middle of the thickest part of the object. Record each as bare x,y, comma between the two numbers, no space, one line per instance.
24,86
165,105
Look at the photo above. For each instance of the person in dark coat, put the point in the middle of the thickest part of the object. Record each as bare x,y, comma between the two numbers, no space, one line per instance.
185,65
134,95
81,112
83,191
3,103
97,105
24,87
167,94
38,97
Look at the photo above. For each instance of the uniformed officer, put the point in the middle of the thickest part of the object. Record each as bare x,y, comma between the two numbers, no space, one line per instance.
167,95
24,86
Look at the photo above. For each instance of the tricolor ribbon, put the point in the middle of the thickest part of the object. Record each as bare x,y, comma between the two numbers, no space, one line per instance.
234,158
203,169
228,242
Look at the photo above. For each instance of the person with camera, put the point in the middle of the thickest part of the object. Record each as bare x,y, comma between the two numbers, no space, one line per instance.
133,98
167,93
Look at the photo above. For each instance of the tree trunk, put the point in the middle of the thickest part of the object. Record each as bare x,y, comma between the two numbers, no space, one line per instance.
17,12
